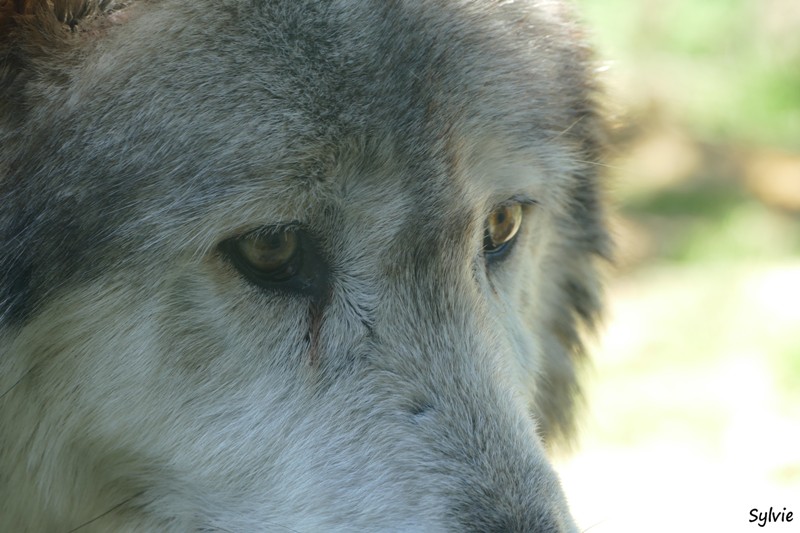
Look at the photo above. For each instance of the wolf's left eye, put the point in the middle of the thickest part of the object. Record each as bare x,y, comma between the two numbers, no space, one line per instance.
282,258
502,226
275,256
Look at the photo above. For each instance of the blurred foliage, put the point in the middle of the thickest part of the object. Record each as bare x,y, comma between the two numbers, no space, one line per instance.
707,103
706,96
728,69
698,374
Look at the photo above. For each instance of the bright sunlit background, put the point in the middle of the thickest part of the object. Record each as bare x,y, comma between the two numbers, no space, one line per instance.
694,400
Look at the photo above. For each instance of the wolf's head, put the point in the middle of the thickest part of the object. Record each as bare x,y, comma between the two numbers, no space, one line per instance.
291,265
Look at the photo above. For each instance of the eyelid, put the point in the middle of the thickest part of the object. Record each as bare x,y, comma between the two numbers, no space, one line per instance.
521,199
274,229
260,230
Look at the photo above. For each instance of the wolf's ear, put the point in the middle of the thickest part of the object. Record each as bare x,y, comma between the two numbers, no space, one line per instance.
13,14
33,30
37,37
19,13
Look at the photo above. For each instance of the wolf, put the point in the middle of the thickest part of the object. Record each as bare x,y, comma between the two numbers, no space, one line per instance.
291,265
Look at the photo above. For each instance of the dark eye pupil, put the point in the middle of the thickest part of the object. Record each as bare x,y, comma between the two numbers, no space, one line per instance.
275,242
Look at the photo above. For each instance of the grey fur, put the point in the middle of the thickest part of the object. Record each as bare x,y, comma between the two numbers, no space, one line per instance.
136,136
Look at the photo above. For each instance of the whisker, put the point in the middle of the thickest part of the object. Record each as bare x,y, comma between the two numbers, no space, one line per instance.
595,163
24,375
98,517
567,129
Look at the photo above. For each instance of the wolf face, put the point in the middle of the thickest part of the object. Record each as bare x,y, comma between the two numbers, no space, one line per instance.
292,265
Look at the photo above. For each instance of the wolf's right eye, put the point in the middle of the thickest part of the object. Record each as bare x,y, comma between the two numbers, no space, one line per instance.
502,226
277,258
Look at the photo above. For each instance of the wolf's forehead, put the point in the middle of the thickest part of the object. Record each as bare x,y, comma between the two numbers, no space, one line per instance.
323,71
441,88
411,70
268,92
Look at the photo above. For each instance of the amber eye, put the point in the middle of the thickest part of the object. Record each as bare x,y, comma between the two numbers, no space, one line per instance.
271,257
501,228
269,253
279,258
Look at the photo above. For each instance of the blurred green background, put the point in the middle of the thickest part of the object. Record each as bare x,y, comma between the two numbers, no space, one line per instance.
694,401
